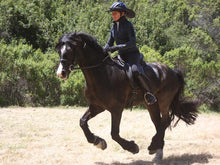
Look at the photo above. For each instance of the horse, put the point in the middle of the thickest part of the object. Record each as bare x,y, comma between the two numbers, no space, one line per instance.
107,88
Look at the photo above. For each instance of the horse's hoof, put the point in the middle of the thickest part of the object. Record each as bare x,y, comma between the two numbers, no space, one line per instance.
151,152
135,147
159,155
100,143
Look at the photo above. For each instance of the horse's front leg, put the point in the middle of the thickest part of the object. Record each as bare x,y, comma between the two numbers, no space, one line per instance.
127,145
91,112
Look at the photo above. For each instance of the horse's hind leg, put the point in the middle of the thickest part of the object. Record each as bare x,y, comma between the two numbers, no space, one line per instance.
91,112
161,121
127,145
157,141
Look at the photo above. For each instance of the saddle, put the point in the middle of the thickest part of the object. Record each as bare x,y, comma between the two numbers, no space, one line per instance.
147,69
144,67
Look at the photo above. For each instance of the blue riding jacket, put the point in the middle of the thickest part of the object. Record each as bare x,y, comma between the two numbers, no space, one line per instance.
122,32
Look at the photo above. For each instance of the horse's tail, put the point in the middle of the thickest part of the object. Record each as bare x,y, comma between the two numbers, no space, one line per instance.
182,108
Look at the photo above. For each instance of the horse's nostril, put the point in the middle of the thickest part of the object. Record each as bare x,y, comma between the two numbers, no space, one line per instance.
63,74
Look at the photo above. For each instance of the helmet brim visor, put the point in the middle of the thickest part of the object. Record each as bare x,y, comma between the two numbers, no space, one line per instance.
128,12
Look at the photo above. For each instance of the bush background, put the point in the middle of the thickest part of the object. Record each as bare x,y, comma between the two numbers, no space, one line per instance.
183,34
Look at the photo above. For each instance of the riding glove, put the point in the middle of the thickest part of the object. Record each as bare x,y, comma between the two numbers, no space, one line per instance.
114,48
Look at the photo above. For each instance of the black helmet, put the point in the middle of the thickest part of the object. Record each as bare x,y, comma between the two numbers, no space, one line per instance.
121,7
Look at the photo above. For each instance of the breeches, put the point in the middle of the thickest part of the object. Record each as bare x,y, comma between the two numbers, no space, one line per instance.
131,59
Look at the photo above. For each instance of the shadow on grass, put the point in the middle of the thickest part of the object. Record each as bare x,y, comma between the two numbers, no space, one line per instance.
138,162
185,159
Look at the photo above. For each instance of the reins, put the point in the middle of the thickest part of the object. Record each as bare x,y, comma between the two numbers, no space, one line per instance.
92,66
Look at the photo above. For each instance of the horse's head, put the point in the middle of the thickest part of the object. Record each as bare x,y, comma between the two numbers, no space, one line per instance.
67,48
78,48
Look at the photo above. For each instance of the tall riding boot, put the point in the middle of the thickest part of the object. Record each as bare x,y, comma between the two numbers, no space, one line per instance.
139,74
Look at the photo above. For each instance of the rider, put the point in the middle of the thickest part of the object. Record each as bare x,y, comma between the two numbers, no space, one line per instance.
122,32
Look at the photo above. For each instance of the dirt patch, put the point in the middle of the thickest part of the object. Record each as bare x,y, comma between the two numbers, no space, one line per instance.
52,136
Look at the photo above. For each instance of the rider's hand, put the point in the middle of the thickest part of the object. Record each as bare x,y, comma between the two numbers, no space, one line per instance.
111,49
107,49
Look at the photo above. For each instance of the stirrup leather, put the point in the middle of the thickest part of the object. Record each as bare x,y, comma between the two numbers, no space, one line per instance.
146,98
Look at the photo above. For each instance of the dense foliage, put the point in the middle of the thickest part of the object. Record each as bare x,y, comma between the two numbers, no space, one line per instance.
183,34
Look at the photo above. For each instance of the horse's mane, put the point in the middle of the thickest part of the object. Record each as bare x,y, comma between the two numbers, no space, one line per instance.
91,41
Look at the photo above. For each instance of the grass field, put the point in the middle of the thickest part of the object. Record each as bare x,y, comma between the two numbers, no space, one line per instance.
52,136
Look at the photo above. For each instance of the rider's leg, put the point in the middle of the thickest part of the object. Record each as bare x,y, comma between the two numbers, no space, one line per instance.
133,60
145,84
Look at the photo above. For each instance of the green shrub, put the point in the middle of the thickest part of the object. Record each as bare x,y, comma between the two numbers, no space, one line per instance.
27,76
150,55
201,76
73,90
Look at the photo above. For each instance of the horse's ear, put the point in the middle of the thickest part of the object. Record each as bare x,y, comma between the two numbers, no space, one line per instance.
76,39
74,34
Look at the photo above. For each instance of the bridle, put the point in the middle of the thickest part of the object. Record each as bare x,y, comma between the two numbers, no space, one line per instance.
71,66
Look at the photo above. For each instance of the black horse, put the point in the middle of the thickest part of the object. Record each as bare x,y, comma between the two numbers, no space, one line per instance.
107,88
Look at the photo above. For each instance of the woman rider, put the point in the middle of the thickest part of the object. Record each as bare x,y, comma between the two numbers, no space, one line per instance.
122,32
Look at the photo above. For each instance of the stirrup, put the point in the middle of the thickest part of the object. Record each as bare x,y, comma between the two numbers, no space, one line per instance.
150,98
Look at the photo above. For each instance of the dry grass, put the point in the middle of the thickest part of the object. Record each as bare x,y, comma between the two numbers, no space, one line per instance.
51,136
